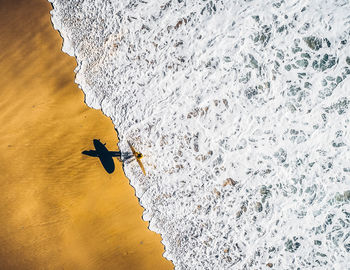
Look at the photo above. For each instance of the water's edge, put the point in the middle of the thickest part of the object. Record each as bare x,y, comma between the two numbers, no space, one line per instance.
117,133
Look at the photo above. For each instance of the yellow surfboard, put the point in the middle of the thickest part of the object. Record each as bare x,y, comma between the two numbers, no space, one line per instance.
138,157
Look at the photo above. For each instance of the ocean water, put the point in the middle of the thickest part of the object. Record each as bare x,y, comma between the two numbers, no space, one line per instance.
241,109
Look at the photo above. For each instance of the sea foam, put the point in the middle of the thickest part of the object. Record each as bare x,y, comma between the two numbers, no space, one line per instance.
241,109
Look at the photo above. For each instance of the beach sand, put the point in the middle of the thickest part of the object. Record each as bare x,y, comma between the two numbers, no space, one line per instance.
59,209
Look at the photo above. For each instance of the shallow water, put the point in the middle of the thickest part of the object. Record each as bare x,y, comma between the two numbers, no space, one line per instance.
242,111
58,208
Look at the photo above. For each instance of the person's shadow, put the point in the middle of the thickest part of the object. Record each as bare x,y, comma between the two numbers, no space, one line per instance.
105,156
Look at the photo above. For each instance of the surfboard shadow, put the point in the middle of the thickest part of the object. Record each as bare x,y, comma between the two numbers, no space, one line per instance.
106,156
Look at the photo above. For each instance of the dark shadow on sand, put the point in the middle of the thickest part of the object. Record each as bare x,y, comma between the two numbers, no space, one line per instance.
105,156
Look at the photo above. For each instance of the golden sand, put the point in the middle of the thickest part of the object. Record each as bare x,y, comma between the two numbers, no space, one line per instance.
59,209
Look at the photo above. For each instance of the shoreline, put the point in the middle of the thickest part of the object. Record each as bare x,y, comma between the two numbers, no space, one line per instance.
72,54
60,209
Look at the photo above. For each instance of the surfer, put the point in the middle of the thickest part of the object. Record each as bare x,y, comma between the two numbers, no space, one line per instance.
138,157
106,156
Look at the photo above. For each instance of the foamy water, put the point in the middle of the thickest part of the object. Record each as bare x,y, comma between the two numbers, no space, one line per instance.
241,109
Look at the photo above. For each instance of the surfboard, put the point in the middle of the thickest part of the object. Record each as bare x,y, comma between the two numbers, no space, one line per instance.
137,159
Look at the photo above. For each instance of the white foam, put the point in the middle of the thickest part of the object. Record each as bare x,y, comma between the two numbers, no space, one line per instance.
255,91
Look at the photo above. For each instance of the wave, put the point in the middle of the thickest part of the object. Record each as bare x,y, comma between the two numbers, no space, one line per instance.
241,111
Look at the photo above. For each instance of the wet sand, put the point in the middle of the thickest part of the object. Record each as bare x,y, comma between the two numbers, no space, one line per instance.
59,209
